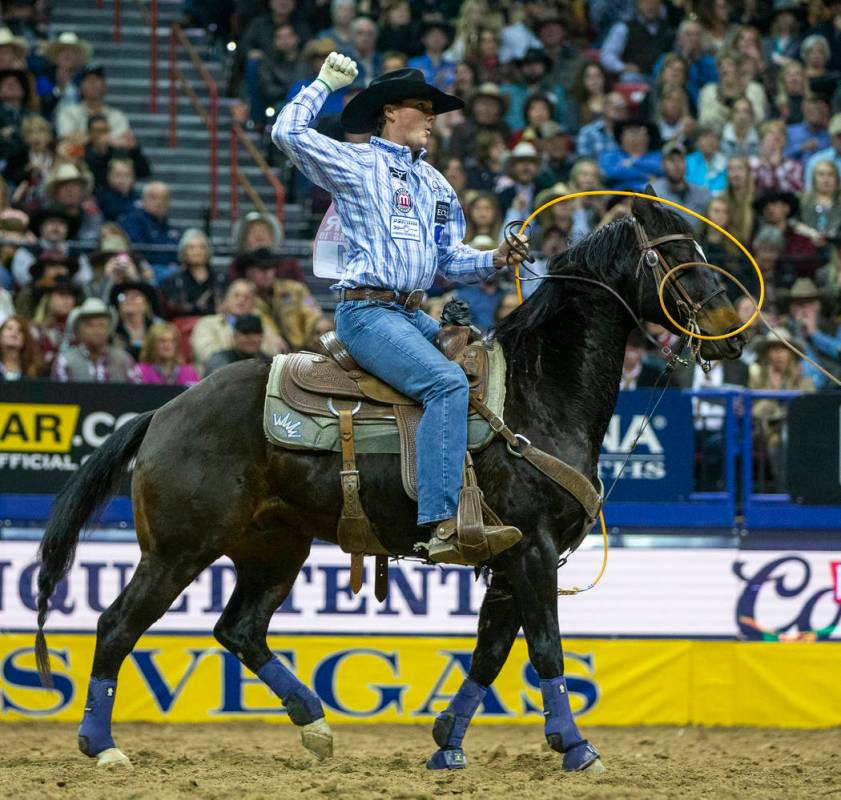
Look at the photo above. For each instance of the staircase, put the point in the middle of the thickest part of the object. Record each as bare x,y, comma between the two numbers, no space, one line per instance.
185,168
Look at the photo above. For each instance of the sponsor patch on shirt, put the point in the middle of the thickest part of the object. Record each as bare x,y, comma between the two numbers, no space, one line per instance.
442,212
403,201
400,174
405,228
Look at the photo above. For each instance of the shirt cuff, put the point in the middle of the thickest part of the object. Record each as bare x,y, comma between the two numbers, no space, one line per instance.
485,264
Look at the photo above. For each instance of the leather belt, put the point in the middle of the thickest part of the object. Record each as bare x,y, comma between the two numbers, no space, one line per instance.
411,301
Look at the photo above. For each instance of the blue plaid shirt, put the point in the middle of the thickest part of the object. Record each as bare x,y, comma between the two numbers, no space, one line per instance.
401,218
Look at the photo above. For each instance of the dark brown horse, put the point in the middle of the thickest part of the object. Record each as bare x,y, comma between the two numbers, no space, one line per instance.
207,483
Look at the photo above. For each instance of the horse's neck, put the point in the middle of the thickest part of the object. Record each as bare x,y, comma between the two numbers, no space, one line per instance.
563,381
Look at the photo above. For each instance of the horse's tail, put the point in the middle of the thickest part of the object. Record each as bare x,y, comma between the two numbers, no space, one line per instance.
77,501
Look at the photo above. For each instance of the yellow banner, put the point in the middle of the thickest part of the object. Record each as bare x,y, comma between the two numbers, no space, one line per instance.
37,427
410,679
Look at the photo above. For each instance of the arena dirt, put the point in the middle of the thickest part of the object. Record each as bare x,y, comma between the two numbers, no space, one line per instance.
252,760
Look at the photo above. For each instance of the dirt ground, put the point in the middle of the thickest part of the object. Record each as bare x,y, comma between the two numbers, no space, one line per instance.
254,760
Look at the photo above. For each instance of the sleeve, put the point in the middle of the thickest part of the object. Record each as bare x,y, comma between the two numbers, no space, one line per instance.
332,165
613,47
59,371
457,261
66,121
828,344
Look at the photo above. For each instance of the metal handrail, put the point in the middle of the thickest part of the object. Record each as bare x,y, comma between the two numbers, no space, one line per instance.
150,18
238,136
209,117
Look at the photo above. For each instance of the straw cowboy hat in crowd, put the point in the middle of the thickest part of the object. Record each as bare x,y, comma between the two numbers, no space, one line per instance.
772,339
68,39
66,172
803,290
16,43
92,307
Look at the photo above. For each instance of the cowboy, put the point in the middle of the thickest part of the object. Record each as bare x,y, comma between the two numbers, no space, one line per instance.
402,222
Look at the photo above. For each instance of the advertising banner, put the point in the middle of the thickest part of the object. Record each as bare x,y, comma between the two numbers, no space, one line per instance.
47,429
677,593
661,466
409,679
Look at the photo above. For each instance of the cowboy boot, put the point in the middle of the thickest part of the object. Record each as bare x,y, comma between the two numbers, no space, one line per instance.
443,547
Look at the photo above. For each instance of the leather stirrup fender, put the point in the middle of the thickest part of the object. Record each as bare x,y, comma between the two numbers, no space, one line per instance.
469,522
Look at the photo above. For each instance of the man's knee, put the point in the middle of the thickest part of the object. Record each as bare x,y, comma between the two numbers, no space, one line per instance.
451,380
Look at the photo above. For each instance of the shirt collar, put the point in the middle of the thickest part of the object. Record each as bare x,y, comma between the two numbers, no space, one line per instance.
397,150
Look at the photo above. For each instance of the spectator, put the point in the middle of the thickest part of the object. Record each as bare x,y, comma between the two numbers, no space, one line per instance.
7,306
14,231
70,188
43,273
136,304
791,89
19,358
436,37
767,248
92,360
740,196
589,93
586,176
830,29
160,360
700,64
14,100
515,200
485,55
799,258
557,158
255,231
532,79
715,99
195,288
248,338
148,228
363,33
631,48
636,373
748,44
672,116
286,300
50,318
118,197
13,50
538,110
216,331
831,153
342,13
66,54
483,217
53,227
771,169
113,262
717,248
807,137
485,111
485,165
820,207
564,56
815,54
397,31
99,152
739,136
706,166
27,169
783,41
557,220
597,138
73,117
453,170
714,18
674,186
637,161
282,67
820,334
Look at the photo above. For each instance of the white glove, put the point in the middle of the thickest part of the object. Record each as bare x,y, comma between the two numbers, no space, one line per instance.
338,71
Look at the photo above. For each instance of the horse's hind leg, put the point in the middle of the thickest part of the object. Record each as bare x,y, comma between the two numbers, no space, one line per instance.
264,578
499,622
156,583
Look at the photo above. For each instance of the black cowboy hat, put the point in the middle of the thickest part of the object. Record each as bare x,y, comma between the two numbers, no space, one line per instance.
442,25
147,289
22,77
360,114
36,271
63,284
534,55
53,211
262,258
654,138
777,195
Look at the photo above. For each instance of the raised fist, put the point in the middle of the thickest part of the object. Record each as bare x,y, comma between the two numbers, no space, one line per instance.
338,71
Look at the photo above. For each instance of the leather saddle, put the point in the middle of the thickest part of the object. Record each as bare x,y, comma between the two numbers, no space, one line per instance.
324,385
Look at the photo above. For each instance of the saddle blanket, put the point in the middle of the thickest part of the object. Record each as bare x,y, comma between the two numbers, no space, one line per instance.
287,427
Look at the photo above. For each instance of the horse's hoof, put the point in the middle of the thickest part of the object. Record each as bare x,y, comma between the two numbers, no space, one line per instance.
113,757
595,768
318,739
583,756
447,759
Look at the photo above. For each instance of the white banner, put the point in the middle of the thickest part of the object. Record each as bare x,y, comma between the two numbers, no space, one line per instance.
645,592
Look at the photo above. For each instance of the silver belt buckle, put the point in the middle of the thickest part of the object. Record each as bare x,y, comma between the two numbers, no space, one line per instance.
414,300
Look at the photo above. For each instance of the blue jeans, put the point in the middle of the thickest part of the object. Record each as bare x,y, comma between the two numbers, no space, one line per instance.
397,346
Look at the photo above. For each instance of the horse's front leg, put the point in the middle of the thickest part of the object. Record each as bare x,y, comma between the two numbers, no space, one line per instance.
532,572
499,623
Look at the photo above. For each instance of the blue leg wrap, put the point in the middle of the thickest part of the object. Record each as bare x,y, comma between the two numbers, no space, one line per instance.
560,728
451,726
302,704
95,730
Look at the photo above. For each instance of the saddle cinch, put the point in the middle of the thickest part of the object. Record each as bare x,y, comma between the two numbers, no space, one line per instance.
343,407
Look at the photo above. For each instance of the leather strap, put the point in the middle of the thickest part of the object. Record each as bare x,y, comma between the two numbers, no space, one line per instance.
381,578
567,477
354,531
469,522
410,300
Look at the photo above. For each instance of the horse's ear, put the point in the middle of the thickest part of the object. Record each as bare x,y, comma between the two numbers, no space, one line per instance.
641,207
649,189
